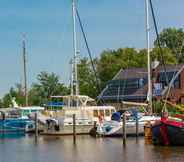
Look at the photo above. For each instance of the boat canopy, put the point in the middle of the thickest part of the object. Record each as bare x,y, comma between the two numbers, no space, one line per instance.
54,104
69,99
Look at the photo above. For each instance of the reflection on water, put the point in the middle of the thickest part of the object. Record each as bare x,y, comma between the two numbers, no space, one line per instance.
12,135
87,149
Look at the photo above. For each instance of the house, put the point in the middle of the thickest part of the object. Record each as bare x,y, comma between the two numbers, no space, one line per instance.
132,85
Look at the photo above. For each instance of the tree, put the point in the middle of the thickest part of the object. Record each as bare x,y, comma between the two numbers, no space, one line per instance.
173,39
87,80
1,103
48,85
111,61
169,59
14,92
7,101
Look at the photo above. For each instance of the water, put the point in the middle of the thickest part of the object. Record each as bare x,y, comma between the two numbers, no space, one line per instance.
87,149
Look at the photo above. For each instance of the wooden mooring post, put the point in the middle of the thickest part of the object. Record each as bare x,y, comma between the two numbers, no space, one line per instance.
137,127
36,125
148,133
74,128
124,129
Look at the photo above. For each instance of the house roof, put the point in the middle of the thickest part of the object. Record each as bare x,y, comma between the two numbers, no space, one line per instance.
142,72
133,73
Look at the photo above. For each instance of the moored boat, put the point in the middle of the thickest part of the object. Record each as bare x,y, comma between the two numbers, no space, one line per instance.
115,127
168,132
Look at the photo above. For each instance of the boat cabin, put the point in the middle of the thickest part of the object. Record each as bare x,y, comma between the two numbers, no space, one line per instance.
84,108
25,111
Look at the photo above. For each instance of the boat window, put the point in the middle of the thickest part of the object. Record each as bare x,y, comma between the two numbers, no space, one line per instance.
25,112
95,113
102,112
107,112
112,111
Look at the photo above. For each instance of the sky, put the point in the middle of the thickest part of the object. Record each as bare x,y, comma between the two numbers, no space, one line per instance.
47,24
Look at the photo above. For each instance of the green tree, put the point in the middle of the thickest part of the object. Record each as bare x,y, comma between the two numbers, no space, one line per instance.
48,85
87,81
167,55
173,39
14,92
1,103
7,101
111,61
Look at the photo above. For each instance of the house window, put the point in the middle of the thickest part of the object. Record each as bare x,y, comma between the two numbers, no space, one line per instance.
141,82
177,83
162,79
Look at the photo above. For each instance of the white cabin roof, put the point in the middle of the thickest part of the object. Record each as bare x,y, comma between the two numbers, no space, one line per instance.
82,97
31,108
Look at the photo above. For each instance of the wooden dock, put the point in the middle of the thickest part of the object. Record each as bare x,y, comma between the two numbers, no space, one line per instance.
85,129
68,130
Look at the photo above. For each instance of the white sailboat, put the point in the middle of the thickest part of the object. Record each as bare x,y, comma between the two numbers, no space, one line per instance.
114,127
82,106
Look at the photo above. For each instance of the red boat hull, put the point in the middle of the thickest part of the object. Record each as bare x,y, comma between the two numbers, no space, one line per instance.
168,133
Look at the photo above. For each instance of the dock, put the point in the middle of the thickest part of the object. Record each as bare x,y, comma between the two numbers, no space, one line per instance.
68,130
85,130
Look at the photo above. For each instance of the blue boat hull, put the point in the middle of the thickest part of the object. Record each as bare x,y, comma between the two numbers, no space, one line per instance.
156,135
13,125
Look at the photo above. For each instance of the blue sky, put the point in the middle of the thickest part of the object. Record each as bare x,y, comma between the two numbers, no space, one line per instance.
109,24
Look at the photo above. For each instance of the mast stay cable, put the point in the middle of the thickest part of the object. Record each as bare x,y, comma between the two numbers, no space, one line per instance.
88,50
158,41
89,53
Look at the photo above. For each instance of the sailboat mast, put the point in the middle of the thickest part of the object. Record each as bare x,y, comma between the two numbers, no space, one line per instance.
25,71
71,78
148,56
75,48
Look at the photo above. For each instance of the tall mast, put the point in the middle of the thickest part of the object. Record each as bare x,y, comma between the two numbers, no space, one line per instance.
71,77
148,53
76,84
25,71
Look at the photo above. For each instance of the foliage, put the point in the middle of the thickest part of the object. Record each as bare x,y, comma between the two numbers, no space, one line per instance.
48,85
158,106
39,93
87,81
167,55
14,92
1,103
173,39
111,61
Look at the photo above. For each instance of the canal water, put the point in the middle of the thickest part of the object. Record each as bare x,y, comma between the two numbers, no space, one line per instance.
87,149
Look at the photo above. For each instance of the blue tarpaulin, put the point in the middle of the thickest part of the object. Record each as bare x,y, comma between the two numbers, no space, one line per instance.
54,104
116,116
